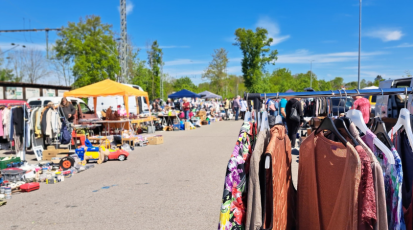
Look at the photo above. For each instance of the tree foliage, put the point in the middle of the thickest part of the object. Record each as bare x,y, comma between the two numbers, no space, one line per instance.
155,62
216,70
90,45
5,74
255,47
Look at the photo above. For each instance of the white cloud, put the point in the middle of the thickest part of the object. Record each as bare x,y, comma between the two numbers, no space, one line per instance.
304,56
404,45
183,62
129,7
273,30
386,35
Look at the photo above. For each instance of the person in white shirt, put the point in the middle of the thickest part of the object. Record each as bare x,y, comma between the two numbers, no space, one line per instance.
244,108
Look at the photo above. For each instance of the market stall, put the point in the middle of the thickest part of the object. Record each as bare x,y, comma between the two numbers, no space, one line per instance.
184,93
107,88
209,95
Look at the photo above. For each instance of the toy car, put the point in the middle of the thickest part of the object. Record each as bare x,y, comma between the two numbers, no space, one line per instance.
119,154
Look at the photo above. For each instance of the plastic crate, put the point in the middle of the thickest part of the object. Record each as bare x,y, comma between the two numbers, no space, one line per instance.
3,164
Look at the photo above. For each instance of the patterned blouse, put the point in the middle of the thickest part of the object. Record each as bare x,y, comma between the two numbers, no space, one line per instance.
234,199
393,179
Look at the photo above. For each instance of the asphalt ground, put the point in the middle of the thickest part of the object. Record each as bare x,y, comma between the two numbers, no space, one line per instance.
175,185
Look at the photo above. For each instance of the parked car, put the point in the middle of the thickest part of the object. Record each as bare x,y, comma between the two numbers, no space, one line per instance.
116,102
80,105
340,105
390,105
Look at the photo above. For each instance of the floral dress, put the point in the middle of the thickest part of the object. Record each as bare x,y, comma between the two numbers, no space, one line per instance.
234,199
393,179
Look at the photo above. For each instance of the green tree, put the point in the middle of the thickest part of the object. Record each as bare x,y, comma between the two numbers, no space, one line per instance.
5,74
363,83
90,45
216,71
184,83
155,63
337,83
255,47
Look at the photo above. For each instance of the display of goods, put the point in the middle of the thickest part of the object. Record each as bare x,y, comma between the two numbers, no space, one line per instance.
12,174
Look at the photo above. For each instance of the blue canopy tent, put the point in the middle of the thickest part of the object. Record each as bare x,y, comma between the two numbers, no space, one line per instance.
183,93
208,95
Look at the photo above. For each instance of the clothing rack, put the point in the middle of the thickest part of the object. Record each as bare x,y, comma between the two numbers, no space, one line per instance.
23,157
331,93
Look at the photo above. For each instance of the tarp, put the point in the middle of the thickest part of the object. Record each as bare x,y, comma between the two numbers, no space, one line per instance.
183,93
107,88
207,94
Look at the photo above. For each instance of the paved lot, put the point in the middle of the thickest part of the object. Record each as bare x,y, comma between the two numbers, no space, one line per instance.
176,185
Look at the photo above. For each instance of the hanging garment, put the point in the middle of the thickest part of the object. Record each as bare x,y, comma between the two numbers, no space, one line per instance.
5,121
366,194
18,121
403,147
233,207
328,182
44,121
254,208
1,126
18,142
11,126
279,198
378,182
38,127
393,178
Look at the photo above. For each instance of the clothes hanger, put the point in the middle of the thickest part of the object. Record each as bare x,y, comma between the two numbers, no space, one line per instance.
404,121
357,118
328,124
339,122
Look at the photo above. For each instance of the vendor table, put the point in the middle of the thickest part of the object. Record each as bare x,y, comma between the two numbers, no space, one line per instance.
117,123
168,119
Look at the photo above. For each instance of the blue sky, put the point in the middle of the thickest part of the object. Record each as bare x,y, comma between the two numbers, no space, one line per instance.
189,31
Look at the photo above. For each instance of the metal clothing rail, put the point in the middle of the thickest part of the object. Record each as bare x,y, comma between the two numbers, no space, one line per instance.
331,93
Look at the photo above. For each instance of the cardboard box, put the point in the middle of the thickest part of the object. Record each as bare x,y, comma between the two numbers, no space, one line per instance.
155,140
187,126
53,152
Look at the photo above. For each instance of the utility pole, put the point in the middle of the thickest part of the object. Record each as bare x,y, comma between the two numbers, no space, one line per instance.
123,50
358,85
35,30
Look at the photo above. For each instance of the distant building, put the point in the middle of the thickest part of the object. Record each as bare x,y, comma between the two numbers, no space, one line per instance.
24,91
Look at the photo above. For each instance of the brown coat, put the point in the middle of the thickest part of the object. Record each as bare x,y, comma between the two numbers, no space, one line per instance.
328,182
279,198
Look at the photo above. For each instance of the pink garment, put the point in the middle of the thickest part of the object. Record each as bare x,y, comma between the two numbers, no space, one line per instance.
1,124
363,104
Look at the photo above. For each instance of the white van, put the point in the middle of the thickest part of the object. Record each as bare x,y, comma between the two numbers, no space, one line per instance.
76,102
103,103
389,105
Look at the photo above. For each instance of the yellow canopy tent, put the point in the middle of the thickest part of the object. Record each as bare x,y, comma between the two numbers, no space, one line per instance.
107,88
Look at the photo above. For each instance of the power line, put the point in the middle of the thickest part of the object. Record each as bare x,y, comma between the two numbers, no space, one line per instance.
35,30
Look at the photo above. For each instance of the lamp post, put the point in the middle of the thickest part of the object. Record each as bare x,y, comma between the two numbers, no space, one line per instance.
15,46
